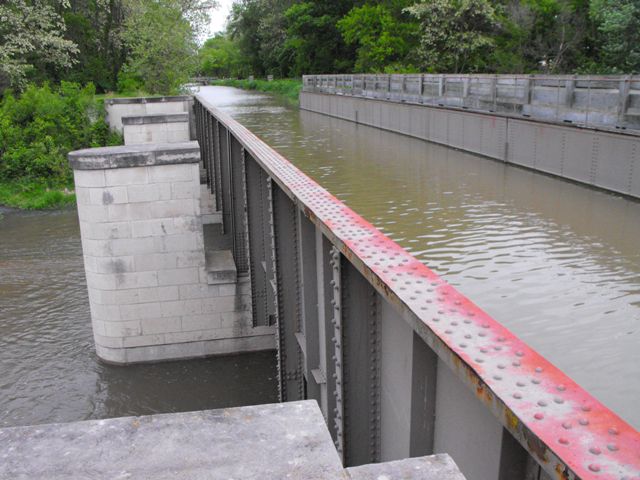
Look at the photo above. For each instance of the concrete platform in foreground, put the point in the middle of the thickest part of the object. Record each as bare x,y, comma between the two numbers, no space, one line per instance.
287,440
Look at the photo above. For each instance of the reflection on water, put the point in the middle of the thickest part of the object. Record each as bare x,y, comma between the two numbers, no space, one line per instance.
556,262
48,368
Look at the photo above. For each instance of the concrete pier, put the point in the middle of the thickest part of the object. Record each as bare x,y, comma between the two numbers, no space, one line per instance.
153,293
278,441
170,128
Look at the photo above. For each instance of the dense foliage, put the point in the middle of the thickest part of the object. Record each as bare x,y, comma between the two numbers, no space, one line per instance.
126,44
39,128
287,38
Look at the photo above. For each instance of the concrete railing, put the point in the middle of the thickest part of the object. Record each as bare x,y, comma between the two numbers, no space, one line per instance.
400,362
612,101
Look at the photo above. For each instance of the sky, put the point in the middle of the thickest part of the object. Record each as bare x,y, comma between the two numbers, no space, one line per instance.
219,16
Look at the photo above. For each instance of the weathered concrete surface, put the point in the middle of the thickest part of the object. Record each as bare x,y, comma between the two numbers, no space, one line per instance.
603,159
156,129
433,467
128,107
150,119
288,440
126,156
144,255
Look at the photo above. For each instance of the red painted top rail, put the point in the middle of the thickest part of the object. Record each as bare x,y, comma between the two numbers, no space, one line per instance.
568,431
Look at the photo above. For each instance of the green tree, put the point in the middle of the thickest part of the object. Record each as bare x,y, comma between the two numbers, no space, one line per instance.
161,43
456,35
31,40
313,36
382,35
618,25
95,26
221,57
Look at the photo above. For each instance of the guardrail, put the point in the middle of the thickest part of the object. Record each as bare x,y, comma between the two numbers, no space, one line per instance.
400,362
612,101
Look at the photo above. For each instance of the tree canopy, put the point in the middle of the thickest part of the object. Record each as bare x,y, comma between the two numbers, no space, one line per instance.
292,37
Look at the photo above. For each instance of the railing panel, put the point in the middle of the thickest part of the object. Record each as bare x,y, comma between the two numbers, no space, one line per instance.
488,382
598,101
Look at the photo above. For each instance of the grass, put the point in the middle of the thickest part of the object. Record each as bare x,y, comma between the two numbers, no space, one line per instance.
34,195
288,88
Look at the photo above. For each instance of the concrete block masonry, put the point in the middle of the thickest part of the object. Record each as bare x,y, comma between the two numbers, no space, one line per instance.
142,237
117,108
286,440
156,129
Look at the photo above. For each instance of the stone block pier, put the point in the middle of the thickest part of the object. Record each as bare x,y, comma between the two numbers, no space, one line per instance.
154,293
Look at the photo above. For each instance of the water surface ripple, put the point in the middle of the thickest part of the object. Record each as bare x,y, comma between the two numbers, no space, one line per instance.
555,262
48,368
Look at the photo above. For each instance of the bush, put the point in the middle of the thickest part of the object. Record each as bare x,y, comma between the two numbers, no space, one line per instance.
40,127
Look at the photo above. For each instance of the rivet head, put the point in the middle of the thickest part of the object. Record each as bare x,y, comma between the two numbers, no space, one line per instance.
517,395
538,416
612,447
613,431
595,451
563,441
497,377
566,425
561,388
586,408
558,400
542,403
584,422
521,384
594,467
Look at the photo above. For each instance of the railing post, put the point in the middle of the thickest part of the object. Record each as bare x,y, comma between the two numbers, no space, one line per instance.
570,87
623,98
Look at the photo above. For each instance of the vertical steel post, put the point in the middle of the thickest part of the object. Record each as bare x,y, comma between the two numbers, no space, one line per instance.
360,367
338,374
308,334
287,289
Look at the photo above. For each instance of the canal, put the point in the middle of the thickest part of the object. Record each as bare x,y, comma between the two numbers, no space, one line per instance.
48,368
557,263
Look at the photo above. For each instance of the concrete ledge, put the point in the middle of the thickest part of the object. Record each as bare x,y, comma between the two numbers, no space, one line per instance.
288,440
125,156
181,351
433,467
151,119
135,100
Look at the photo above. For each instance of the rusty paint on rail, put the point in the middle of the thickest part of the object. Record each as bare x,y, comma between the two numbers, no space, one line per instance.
571,434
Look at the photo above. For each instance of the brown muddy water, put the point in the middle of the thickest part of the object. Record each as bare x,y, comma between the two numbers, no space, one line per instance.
48,368
555,262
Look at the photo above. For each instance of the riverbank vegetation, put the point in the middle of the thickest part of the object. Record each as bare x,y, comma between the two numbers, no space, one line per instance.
288,38
56,55
37,130
287,88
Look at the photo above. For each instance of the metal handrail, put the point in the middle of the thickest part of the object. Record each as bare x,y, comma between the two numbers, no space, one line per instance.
569,433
